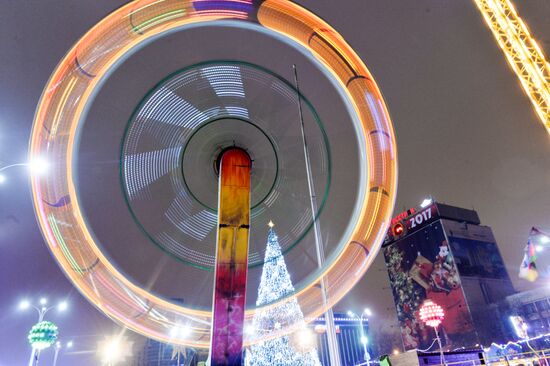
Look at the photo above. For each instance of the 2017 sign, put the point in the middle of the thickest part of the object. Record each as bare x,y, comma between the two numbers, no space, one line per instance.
420,218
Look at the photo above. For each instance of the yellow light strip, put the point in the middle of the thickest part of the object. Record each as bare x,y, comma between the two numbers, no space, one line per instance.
522,51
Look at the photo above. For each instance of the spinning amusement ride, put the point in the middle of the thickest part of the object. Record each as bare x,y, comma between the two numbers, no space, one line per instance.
213,150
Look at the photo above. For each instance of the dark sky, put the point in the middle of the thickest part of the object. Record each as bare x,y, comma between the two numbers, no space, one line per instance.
466,134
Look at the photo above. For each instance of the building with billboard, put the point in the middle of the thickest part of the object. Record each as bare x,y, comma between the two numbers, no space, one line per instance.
442,253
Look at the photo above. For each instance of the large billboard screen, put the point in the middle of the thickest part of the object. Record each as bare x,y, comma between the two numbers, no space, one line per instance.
475,251
421,266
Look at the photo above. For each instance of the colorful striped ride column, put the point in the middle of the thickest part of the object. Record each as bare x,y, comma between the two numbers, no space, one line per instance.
231,258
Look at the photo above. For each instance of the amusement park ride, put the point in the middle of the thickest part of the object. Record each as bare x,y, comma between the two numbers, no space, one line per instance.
229,153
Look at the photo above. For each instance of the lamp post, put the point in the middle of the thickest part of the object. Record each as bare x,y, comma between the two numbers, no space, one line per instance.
432,315
364,339
42,309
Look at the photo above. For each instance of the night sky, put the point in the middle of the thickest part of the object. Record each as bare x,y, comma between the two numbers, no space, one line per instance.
466,134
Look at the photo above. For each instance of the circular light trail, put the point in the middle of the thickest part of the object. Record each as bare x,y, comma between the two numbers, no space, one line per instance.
79,76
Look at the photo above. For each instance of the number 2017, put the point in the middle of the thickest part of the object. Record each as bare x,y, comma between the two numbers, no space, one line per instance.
420,218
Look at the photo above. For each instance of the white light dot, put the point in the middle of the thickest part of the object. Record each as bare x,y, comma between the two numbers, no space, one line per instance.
25,304
426,202
38,166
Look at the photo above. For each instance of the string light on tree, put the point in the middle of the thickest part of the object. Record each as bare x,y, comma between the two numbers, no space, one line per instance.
297,349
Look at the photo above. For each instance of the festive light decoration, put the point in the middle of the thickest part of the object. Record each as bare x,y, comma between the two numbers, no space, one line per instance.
528,268
295,349
431,313
522,51
80,76
42,335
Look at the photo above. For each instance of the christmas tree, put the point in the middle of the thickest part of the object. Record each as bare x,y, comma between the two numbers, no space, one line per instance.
275,284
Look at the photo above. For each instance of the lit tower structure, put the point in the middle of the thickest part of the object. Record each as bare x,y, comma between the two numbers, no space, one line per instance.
522,52
441,253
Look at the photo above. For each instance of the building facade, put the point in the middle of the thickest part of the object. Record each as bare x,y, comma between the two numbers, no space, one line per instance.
533,308
444,254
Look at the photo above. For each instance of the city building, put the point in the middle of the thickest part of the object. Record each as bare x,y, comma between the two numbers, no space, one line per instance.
531,308
349,335
443,253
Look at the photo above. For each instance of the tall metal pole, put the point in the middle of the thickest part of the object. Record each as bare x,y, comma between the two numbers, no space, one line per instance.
56,354
334,351
33,355
231,258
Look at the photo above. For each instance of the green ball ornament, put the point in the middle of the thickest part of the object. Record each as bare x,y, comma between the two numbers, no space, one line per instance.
42,335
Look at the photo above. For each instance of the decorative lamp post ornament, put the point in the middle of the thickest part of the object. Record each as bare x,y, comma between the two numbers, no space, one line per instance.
432,315
41,336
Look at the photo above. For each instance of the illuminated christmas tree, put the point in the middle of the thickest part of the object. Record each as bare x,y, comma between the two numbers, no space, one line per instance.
298,348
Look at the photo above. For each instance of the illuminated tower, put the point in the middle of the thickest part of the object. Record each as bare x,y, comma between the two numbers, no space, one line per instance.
442,253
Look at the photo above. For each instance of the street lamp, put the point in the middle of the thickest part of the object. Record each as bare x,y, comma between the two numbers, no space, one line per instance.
113,350
304,339
36,166
427,201
363,338
42,309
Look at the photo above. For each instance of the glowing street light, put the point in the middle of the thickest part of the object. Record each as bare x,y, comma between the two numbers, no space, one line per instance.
36,166
426,202
114,350
306,338
63,306
363,338
24,305
180,331
42,309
